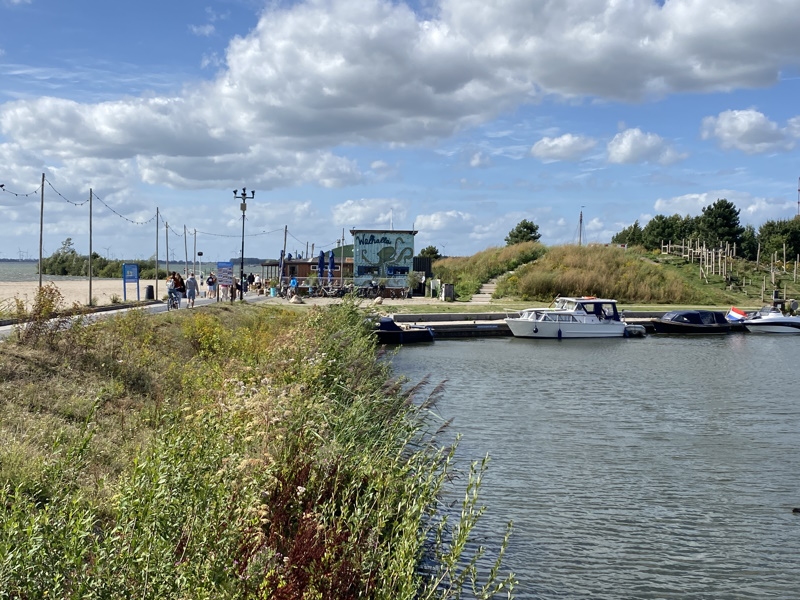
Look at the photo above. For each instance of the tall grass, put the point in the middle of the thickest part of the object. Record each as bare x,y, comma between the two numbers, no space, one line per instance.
469,273
597,271
233,453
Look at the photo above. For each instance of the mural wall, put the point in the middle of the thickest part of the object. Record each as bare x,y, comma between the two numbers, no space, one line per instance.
379,255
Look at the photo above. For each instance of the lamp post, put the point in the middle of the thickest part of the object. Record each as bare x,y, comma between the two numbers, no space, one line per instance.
243,206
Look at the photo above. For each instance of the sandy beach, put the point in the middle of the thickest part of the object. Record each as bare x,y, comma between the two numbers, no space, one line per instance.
103,290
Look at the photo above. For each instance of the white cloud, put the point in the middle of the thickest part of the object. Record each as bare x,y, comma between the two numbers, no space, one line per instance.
688,204
369,212
479,159
567,147
749,131
444,220
206,30
635,146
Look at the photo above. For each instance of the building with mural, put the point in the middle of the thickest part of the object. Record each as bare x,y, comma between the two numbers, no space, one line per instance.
382,256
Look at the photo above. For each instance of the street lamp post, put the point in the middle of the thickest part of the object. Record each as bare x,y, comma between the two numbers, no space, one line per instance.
243,206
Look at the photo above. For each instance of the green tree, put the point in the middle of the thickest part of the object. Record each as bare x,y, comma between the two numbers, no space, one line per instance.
431,252
748,247
774,234
661,229
525,231
631,235
719,224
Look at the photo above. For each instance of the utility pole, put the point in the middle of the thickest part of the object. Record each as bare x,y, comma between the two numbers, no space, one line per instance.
194,256
185,254
41,233
90,247
166,235
156,290
285,233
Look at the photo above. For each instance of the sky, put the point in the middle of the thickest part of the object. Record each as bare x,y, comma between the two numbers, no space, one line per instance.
455,118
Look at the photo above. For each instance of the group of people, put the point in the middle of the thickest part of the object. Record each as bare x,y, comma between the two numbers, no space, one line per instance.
177,288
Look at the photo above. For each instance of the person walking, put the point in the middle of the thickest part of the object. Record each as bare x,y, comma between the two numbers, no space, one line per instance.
191,290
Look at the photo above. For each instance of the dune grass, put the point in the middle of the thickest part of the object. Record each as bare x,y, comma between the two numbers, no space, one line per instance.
468,273
234,452
633,276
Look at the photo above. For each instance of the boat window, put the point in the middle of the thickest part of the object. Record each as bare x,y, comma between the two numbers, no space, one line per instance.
707,317
670,316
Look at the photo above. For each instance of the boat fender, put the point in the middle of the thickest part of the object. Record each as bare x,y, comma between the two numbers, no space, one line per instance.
535,329
626,333
559,333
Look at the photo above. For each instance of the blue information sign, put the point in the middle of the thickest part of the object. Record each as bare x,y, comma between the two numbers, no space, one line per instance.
130,274
225,273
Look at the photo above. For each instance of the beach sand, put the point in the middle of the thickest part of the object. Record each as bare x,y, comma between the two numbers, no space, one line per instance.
103,290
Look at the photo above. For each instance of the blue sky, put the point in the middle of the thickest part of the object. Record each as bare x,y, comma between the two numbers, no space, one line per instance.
458,118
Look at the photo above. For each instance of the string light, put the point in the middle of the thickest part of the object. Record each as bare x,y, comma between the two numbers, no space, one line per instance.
19,195
150,220
64,198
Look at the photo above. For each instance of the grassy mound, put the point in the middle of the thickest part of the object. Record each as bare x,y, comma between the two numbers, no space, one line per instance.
635,276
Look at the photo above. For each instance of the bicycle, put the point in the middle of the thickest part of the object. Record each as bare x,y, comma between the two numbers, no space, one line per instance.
172,302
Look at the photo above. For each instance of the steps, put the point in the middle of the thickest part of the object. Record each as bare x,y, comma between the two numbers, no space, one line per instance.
484,295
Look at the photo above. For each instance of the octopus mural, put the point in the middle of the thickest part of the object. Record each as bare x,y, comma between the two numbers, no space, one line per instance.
383,252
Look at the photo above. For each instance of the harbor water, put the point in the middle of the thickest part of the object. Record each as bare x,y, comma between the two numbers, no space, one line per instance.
663,467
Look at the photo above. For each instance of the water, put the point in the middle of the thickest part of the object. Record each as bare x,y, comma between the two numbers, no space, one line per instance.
662,467
19,271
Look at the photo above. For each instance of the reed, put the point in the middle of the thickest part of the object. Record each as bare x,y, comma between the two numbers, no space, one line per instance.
238,452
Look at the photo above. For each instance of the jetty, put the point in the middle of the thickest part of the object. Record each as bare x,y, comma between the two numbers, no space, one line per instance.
447,326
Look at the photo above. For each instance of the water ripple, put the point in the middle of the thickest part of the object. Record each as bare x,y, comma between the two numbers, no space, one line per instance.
656,468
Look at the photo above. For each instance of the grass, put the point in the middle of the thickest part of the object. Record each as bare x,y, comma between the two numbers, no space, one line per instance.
468,273
637,279
236,452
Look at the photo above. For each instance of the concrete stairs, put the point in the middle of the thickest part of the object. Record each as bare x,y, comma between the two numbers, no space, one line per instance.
484,295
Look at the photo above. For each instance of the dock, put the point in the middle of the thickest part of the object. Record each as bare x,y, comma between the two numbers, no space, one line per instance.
448,326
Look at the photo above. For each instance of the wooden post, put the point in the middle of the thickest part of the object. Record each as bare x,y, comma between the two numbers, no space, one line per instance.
41,232
758,255
784,257
285,233
155,297
186,254
90,248
166,239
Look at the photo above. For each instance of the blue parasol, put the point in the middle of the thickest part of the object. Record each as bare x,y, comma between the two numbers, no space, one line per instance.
321,266
280,271
331,267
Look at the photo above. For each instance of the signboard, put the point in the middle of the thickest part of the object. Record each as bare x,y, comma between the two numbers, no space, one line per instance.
130,274
382,255
225,273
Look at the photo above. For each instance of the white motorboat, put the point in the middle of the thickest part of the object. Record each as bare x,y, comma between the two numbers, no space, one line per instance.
579,317
770,319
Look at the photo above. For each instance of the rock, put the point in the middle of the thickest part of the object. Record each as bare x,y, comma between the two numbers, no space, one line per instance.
377,301
296,300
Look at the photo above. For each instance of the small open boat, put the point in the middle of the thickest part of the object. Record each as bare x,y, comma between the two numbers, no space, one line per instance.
693,322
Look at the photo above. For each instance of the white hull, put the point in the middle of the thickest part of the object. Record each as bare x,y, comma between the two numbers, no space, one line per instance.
572,318
550,330
771,320
773,326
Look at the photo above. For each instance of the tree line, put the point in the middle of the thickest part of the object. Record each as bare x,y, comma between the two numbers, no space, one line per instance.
717,226
67,261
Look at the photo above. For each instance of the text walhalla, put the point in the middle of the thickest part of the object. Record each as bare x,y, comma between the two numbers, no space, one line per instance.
364,240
